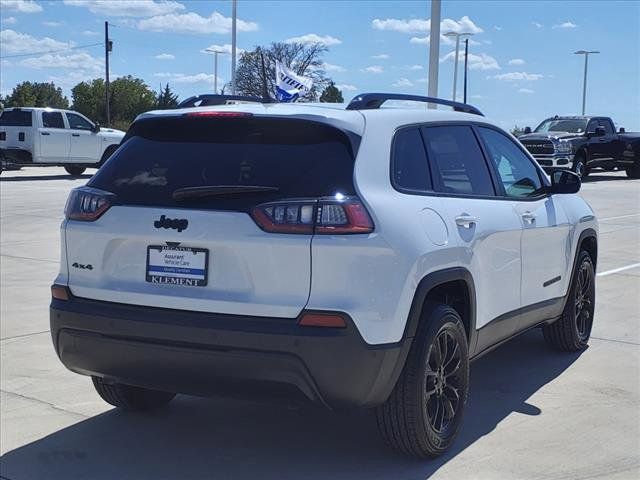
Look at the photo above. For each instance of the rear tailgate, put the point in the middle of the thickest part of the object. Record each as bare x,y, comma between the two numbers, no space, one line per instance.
16,131
224,262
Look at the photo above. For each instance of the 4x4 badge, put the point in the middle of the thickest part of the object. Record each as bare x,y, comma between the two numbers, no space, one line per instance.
179,224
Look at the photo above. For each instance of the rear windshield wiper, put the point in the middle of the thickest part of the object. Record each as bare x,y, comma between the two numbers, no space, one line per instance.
219,191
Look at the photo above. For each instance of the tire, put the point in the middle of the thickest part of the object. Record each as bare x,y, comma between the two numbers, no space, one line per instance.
131,398
571,332
633,171
410,420
75,171
580,166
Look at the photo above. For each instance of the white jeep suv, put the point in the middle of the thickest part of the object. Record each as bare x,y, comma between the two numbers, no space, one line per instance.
361,255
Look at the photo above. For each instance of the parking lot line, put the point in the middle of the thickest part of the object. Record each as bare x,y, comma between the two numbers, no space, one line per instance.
616,270
619,216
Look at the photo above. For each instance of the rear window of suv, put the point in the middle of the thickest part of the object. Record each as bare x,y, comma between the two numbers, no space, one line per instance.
15,118
300,158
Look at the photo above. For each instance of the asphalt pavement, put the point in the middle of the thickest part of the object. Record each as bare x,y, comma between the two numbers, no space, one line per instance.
533,412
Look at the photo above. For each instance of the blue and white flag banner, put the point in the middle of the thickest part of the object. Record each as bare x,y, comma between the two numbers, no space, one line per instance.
289,85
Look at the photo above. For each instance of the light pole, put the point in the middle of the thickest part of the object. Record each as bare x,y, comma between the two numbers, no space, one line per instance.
234,17
215,66
434,51
455,67
586,54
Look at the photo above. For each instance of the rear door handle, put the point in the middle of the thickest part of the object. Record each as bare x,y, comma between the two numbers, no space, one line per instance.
528,217
75,134
45,133
466,221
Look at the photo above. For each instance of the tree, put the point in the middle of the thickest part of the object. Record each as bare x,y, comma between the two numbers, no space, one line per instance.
128,98
36,94
516,131
166,99
303,59
331,94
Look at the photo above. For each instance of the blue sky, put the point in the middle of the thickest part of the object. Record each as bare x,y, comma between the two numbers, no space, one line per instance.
521,69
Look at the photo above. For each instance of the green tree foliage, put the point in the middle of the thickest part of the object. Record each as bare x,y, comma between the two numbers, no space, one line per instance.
303,59
36,94
331,94
166,99
128,98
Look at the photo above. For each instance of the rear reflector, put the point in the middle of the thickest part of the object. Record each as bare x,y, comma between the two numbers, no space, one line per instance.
322,320
218,114
327,215
60,292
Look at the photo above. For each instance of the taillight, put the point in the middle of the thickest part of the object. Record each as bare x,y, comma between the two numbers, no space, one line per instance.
87,204
327,215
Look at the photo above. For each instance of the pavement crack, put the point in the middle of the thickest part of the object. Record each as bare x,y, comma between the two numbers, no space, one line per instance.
30,258
55,407
616,341
24,335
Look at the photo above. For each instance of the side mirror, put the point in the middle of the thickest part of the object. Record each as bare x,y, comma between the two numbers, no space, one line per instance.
527,130
622,130
96,128
564,181
599,132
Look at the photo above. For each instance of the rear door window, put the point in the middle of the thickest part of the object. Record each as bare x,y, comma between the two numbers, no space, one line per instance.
457,162
410,168
52,120
16,118
299,158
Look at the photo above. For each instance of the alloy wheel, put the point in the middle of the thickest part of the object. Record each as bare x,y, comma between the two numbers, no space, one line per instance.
583,302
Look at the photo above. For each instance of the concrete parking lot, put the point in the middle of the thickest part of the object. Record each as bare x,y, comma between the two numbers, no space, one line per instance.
533,413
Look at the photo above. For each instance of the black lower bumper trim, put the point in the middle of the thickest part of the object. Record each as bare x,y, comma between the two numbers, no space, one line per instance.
204,354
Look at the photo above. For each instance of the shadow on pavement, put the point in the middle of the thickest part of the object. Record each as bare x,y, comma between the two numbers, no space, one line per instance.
31,178
220,438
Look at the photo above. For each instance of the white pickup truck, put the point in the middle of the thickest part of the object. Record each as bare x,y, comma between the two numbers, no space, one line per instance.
52,137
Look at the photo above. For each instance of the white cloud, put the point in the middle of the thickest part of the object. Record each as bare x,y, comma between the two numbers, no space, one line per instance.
566,24
415,67
79,61
373,69
402,82
52,24
536,24
165,56
346,87
516,61
9,20
526,90
184,78
128,8
193,23
12,42
329,67
515,76
90,33
22,6
381,56
225,49
414,25
497,27
422,80
481,61
478,97
327,40
425,40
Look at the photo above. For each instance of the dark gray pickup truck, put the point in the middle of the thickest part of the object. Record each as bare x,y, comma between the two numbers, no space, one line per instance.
583,143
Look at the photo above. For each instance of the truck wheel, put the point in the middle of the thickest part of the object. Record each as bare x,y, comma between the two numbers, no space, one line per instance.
580,166
633,171
75,171
129,397
423,414
571,332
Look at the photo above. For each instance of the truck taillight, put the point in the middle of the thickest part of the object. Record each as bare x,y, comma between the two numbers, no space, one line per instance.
87,204
327,215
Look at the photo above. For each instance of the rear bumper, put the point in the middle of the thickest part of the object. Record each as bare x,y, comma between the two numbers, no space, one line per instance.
205,354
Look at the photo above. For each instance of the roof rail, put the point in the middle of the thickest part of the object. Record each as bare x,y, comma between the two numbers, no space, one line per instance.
372,101
212,99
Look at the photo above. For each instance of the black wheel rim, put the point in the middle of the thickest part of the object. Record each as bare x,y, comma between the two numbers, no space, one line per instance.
583,302
579,168
443,386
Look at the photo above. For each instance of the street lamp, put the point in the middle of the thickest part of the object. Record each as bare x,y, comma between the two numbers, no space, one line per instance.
455,68
586,54
215,66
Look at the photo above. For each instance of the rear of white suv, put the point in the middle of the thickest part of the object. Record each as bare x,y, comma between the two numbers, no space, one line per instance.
361,256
